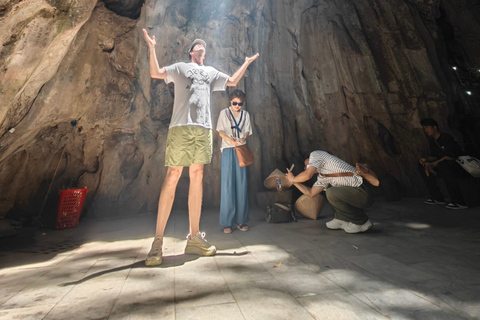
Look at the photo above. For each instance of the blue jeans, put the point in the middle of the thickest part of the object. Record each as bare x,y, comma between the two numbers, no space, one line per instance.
234,195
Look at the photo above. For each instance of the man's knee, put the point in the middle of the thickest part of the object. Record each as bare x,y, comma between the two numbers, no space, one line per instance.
449,168
196,172
173,175
333,194
445,165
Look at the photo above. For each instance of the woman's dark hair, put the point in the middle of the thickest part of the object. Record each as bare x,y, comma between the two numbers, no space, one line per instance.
237,94
429,122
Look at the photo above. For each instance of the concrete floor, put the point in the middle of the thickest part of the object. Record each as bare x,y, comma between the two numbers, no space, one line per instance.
418,262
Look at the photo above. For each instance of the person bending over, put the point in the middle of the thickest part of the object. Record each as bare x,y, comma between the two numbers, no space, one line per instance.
344,187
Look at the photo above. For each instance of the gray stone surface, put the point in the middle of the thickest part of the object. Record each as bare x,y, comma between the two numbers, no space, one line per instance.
417,262
350,76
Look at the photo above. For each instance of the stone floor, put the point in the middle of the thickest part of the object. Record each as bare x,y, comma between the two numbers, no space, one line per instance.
418,262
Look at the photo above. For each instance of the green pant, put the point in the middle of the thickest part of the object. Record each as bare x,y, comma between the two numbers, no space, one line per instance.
349,202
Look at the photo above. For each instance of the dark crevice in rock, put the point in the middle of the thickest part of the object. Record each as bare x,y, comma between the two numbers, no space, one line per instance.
139,89
5,7
16,118
125,8
388,142
9,45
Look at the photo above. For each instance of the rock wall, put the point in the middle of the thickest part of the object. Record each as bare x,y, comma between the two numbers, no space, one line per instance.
351,77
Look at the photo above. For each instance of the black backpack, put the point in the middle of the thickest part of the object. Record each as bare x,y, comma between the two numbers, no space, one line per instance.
279,213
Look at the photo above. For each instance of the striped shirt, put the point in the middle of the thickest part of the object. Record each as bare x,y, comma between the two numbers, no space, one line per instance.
325,163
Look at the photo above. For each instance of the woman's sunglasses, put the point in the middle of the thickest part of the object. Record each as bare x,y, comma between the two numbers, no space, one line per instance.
239,103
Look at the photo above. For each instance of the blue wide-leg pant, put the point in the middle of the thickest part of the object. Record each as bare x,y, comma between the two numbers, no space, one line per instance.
234,195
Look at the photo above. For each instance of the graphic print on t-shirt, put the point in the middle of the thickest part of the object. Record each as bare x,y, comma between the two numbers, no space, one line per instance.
199,99
193,87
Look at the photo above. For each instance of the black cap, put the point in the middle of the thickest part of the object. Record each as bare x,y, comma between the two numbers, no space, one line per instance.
429,122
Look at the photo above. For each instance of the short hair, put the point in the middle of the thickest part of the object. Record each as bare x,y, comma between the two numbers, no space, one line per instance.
237,94
429,122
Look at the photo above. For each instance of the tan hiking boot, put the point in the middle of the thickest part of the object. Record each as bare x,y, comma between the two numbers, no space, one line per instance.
197,244
154,257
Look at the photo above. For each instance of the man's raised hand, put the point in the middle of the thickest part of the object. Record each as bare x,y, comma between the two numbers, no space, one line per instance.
252,58
289,175
151,41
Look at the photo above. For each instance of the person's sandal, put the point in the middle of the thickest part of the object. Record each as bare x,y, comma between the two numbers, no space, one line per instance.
242,227
227,230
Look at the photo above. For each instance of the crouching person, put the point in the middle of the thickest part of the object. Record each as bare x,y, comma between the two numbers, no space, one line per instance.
344,186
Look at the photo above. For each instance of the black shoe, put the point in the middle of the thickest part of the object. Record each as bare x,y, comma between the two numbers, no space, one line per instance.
455,206
433,201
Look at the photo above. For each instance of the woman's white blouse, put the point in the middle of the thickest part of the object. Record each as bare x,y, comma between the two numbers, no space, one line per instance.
225,125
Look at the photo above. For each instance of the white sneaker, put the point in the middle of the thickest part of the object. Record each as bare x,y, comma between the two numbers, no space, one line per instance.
336,224
357,228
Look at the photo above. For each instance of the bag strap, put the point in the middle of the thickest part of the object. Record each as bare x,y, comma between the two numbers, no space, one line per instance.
282,206
338,174
242,146
237,124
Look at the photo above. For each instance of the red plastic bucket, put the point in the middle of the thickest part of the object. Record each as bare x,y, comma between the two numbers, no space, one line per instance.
70,207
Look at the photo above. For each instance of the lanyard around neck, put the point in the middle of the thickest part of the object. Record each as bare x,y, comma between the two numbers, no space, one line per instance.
232,119
441,147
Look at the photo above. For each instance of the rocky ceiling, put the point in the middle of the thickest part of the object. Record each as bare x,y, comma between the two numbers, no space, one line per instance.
78,108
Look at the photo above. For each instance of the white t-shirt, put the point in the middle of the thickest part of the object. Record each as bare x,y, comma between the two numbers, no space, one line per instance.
193,86
325,163
224,124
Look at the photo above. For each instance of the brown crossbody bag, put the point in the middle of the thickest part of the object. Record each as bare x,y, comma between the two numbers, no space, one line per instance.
244,155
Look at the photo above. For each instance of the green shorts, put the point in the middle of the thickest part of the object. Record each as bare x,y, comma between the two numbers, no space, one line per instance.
187,145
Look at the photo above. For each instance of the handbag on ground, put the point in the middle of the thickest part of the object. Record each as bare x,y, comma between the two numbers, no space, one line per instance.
470,164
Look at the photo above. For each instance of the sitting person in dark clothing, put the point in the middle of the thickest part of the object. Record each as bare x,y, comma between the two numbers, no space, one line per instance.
444,149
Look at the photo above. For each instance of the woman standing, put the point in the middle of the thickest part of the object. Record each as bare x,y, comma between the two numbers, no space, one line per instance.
234,127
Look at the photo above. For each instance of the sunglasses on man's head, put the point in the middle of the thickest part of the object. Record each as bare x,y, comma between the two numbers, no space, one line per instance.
239,103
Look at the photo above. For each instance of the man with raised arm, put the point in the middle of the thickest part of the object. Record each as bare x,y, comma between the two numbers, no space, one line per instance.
189,140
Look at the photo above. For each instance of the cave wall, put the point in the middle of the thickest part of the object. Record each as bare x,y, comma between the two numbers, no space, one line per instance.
350,77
